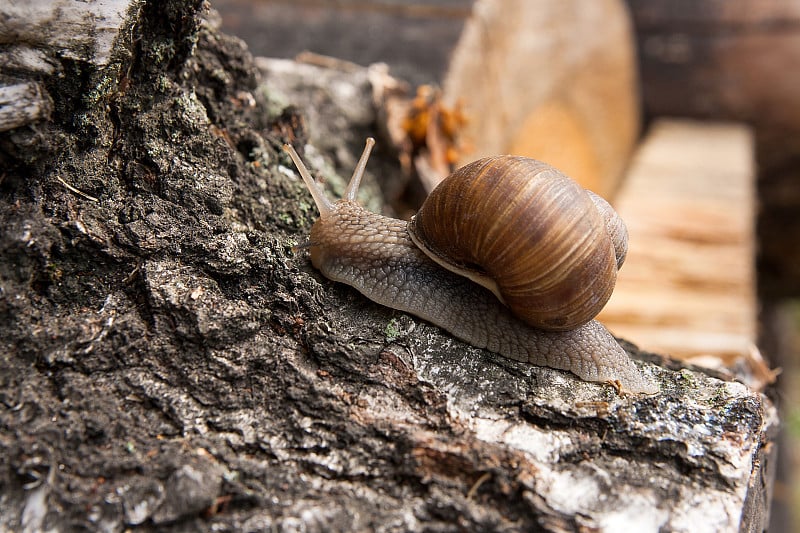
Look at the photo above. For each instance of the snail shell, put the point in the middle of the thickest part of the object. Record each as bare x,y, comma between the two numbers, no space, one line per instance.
546,247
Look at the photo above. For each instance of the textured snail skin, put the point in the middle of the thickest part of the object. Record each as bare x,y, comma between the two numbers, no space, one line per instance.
375,255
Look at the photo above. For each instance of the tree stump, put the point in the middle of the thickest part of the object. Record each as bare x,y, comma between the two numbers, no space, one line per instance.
169,363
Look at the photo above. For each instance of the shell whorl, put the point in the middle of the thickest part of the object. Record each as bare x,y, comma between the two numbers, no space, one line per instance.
526,231
615,227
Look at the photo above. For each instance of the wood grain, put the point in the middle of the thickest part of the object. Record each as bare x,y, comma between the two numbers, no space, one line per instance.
688,201
530,86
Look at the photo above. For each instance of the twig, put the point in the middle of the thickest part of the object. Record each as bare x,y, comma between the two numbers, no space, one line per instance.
76,191
477,484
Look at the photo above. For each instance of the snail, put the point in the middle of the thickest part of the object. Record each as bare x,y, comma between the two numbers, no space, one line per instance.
477,289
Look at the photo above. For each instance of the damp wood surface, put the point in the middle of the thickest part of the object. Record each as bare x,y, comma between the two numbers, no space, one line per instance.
689,203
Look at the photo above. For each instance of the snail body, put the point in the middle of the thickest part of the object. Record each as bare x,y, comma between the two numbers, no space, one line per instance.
379,257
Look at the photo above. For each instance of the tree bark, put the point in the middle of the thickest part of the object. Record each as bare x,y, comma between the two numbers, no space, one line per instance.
40,39
169,363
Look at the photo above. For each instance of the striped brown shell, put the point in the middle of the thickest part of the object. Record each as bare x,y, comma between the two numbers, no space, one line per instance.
529,233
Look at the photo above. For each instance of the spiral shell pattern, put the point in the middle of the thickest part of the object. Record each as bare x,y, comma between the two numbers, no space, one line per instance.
527,232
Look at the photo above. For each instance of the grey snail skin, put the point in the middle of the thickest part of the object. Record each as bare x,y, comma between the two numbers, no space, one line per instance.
506,254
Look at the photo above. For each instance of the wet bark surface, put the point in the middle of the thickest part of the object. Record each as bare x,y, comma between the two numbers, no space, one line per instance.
170,363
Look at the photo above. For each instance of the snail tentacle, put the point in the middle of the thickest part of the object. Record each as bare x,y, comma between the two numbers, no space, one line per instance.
324,205
351,193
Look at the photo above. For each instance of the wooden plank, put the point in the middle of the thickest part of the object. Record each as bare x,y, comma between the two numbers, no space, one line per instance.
736,60
688,285
413,37
732,60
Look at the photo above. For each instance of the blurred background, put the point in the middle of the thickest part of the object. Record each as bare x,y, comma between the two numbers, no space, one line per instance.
684,113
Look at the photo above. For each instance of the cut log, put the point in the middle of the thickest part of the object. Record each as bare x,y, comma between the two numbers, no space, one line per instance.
553,80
